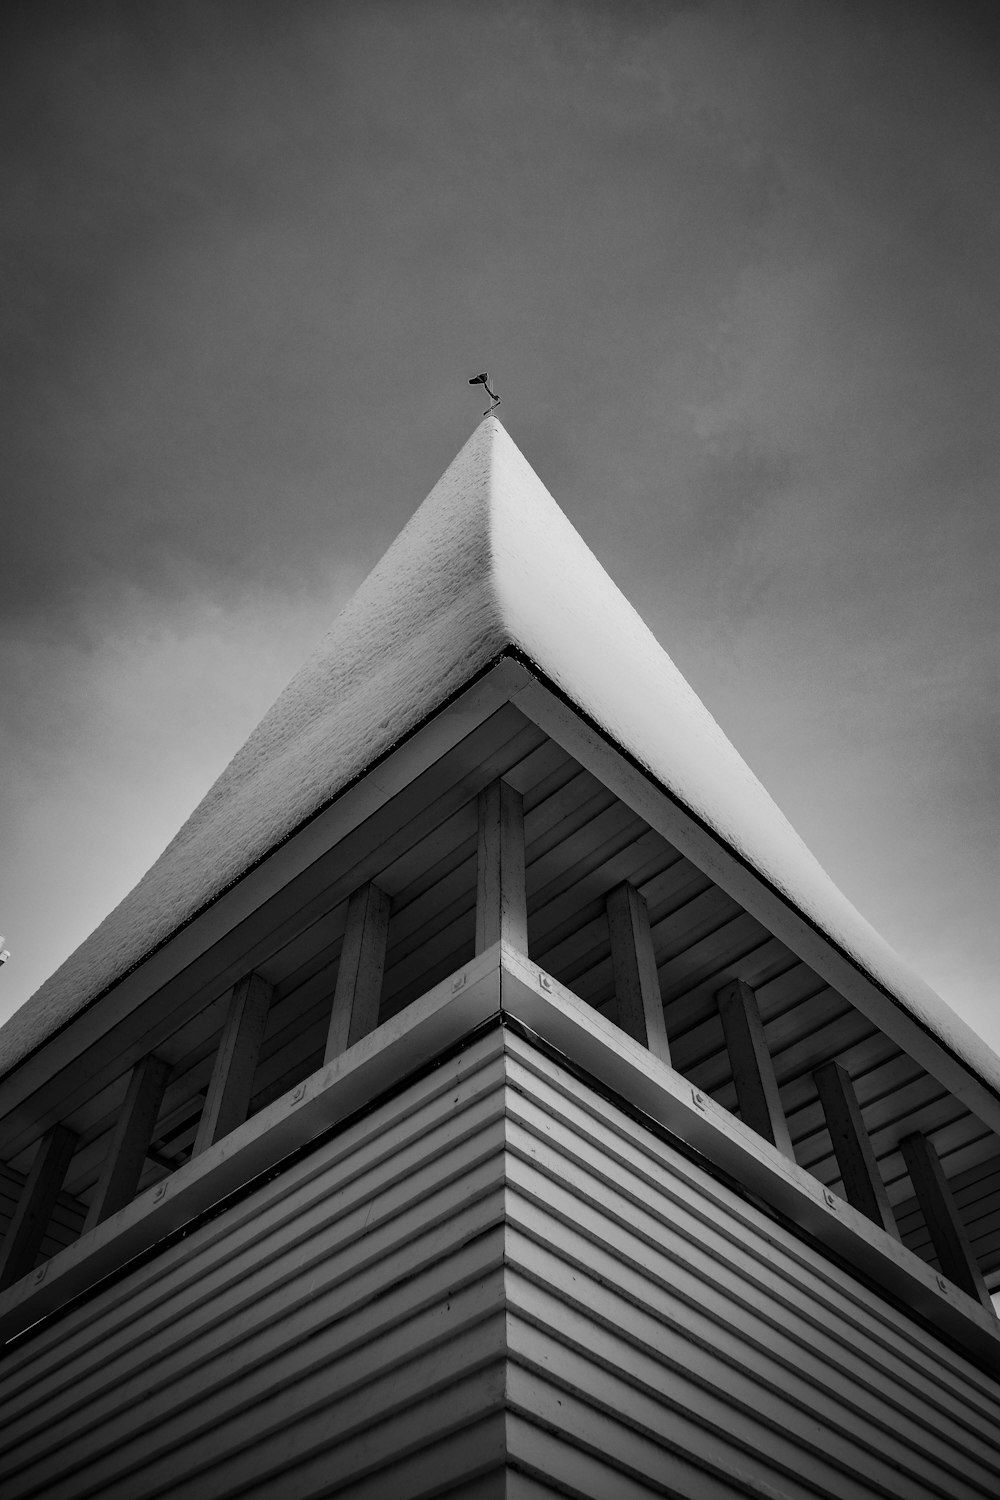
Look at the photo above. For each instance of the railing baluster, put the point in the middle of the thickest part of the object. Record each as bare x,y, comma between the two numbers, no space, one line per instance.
947,1232
501,907
359,976
34,1209
235,1063
129,1141
638,1004
753,1071
859,1173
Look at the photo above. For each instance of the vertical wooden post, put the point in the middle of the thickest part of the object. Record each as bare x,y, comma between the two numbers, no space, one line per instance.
639,1007
947,1232
228,1097
863,1185
359,976
501,907
34,1209
129,1141
753,1072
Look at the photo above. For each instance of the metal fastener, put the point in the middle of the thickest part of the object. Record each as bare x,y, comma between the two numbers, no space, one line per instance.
40,1274
544,981
942,1284
298,1093
698,1100
159,1191
458,983
829,1199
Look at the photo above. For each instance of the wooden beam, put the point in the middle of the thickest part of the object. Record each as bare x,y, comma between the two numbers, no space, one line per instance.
945,1227
130,1140
863,1185
501,906
34,1208
638,1003
753,1072
359,975
228,1097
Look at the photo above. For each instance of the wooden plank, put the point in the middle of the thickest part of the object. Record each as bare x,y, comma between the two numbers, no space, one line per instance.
891,1104
235,1063
35,1204
638,1006
859,1172
665,1218
435,1147
947,1232
615,1362
576,813
126,1155
618,1063
753,1071
576,866
737,937
580,893
730,1337
359,974
501,905
279,1350
394,1052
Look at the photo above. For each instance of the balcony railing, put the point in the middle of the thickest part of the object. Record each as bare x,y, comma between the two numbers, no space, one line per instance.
229,1148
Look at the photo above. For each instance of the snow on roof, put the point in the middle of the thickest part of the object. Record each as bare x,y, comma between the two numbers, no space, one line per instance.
488,561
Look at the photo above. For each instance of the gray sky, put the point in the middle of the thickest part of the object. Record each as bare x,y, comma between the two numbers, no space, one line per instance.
736,270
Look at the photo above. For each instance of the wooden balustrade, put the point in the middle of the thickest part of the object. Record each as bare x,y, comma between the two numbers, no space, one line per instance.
500,916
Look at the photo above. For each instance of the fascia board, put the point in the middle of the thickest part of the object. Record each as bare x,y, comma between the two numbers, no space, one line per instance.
560,720
392,773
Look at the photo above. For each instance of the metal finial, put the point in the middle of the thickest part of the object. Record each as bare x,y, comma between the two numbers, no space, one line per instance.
484,379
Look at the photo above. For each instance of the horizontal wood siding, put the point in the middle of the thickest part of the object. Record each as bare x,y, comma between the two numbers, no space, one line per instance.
343,1327
496,1283
662,1329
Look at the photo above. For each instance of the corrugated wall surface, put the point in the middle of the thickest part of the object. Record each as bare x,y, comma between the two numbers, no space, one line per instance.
496,1265
344,1326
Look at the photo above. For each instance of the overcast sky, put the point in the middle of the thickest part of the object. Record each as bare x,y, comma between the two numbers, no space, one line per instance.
735,268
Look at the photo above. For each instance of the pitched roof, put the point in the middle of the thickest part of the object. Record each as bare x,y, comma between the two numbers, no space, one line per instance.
488,562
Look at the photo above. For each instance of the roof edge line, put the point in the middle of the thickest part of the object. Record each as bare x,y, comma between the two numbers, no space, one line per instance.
262,859
525,660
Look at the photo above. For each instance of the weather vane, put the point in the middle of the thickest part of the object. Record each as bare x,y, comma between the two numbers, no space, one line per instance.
484,379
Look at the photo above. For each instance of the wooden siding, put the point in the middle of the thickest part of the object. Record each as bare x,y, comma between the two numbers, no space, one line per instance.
496,1283
660,1326
343,1327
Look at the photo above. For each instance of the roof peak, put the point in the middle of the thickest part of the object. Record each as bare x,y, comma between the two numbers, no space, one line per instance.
488,562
